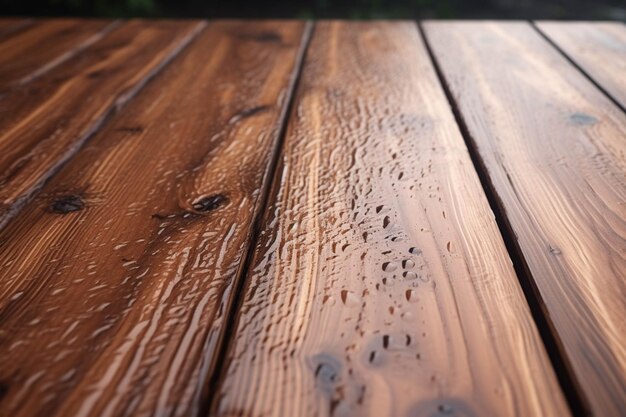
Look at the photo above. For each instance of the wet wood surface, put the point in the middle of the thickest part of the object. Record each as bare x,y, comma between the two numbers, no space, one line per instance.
554,149
45,45
115,279
282,218
45,121
377,285
598,48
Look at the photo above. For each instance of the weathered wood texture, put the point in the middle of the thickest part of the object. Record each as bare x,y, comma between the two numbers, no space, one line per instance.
45,45
115,279
597,48
554,149
380,285
45,121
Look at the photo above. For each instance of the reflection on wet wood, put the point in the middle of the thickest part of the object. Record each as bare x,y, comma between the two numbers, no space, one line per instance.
116,278
554,150
380,285
147,267
44,122
45,45
598,48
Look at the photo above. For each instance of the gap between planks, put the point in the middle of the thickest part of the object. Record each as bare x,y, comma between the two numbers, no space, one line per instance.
28,195
217,396
286,82
68,55
575,64
243,273
569,385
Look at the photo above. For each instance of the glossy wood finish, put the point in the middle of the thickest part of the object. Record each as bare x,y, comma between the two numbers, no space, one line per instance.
117,277
43,123
45,45
380,285
554,149
148,269
599,48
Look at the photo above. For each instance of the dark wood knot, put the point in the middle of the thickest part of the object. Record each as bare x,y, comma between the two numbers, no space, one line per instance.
582,119
243,114
326,373
254,110
327,370
96,74
262,37
67,204
209,203
133,130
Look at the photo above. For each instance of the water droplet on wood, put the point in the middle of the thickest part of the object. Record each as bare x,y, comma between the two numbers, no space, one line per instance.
415,251
209,203
389,266
410,275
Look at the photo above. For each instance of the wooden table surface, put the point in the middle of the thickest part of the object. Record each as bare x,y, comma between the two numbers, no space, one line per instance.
289,218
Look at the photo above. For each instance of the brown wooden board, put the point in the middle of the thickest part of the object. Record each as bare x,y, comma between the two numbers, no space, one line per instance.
45,45
598,48
43,123
12,25
116,278
380,285
553,148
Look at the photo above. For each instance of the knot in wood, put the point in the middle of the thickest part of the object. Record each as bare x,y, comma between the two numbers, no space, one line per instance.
209,203
67,204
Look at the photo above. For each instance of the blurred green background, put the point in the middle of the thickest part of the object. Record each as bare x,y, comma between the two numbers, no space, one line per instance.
356,9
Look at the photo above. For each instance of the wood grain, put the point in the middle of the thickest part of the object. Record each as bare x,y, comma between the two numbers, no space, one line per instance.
43,123
599,48
553,148
116,278
380,285
45,45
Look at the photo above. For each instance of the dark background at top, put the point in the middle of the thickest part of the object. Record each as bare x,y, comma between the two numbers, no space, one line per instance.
347,9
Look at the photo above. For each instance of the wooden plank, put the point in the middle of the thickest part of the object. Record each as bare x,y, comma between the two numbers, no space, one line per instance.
380,285
598,48
44,46
116,278
12,25
553,148
43,123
